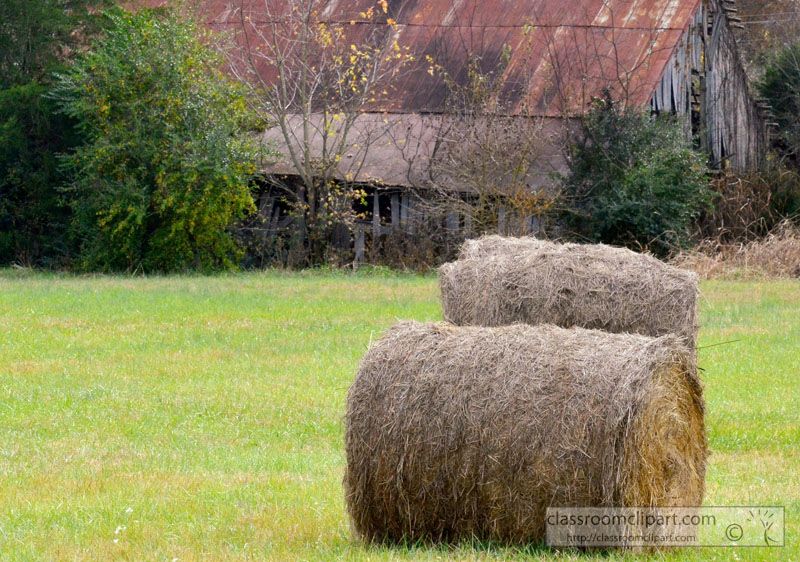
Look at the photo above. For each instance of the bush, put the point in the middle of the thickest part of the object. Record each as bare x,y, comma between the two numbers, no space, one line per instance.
633,180
164,171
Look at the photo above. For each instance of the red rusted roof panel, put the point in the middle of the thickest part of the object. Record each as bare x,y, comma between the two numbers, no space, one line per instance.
566,52
628,14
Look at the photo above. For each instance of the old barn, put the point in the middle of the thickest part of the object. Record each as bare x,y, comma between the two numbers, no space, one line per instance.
677,56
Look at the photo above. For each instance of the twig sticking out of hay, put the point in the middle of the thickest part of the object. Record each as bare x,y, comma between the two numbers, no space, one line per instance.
459,432
589,286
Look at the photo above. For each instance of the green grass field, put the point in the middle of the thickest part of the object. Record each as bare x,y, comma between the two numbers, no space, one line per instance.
196,418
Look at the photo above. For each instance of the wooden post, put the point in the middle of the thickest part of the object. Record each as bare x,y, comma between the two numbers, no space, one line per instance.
468,224
376,221
403,209
359,244
452,222
395,211
535,225
411,216
501,220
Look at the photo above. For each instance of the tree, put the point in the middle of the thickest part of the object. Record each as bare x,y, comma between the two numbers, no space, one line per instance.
311,78
164,170
768,25
33,218
489,163
36,35
36,38
633,179
780,85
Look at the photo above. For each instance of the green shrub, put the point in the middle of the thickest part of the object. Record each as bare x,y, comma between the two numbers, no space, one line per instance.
165,167
633,180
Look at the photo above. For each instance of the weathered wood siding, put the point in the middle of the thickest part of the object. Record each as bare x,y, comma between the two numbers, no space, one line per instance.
705,83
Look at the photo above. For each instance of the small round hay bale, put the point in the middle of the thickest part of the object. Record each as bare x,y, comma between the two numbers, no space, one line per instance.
459,432
589,286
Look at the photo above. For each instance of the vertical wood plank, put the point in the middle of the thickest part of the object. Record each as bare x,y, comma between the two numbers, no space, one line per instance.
376,221
359,244
451,222
412,216
395,211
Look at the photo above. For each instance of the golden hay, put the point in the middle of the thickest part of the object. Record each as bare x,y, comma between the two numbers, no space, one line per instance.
461,432
501,281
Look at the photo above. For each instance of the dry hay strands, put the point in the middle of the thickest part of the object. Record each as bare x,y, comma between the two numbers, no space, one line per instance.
502,281
472,432
777,255
493,245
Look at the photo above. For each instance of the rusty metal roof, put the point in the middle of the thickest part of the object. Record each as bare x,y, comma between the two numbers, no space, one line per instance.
564,52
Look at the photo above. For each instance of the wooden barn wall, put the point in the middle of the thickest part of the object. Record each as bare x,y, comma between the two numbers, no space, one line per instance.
705,77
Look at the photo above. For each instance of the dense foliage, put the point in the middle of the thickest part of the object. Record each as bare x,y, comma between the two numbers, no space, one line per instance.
33,219
780,85
163,171
37,35
633,180
36,38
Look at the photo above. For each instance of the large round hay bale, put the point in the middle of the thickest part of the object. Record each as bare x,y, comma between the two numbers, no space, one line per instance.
459,432
589,286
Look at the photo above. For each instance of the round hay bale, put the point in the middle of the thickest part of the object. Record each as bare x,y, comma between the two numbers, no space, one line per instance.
589,286
461,432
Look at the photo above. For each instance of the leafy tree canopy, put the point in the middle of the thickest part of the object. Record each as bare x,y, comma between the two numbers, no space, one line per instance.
164,170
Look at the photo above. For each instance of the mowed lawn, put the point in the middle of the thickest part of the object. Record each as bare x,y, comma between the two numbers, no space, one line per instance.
197,418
